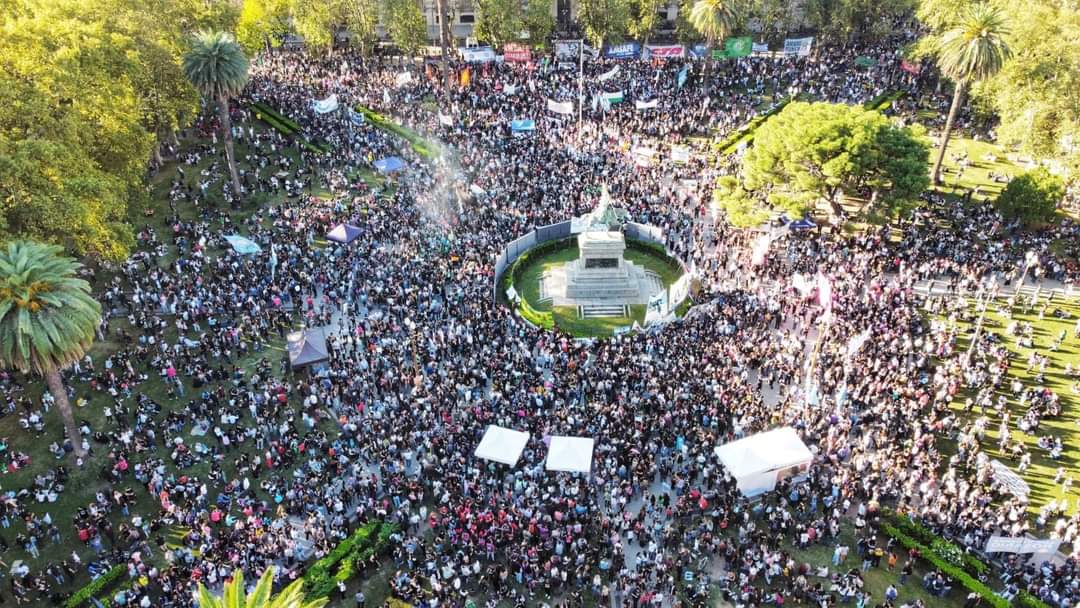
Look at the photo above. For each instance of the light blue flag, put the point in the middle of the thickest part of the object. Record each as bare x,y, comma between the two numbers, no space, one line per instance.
683,73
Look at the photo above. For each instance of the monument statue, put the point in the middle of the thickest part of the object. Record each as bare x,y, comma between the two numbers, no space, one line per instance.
605,217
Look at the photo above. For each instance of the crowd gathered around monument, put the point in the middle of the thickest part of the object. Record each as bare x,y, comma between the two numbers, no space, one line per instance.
259,466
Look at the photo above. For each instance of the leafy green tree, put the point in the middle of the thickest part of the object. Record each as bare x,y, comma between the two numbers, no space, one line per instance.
319,22
539,22
47,319
715,20
971,52
405,24
261,597
820,151
499,22
604,20
645,17
1036,94
218,68
847,20
739,207
263,24
1032,197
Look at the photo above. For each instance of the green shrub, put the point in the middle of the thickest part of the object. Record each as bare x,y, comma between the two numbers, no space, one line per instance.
361,545
285,121
1027,600
883,101
947,550
948,569
95,586
1032,197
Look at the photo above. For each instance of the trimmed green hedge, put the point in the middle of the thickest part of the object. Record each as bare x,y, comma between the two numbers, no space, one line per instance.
95,586
1027,600
731,143
883,101
953,572
419,145
948,551
287,123
321,579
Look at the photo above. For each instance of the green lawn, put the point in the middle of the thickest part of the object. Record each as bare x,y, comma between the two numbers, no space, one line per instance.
528,287
977,173
1040,476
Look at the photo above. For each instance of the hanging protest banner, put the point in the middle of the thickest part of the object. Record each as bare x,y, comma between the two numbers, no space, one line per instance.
760,47
642,156
560,107
1004,544
647,105
566,49
479,54
679,290
1013,483
740,46
666,51
608,75
325,106
612,98
627,50
403,79
798,46
680,154
516,53
445,120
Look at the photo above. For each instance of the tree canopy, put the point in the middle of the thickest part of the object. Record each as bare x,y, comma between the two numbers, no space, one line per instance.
405,24
812,152
90,89
1032,197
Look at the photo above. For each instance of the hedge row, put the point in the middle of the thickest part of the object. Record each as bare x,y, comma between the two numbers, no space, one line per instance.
948,551
321,579
731,143
419,144
883,101
287,123
957,574
95,586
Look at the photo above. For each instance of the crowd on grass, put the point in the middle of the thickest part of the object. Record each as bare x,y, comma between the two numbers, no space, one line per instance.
213,456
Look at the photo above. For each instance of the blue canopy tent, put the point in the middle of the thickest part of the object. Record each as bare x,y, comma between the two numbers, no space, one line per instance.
523,125
343,233
243,246
804,224
389,164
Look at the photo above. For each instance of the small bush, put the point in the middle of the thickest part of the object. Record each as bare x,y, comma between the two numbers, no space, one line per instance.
96,586
1032,197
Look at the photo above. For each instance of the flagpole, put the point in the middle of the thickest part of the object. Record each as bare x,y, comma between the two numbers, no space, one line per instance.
580,81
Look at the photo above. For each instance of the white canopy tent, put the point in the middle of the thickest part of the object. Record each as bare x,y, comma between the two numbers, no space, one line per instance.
760,461
502,445
571,454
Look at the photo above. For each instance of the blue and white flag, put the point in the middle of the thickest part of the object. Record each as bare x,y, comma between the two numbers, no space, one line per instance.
522,125
355,117
683,73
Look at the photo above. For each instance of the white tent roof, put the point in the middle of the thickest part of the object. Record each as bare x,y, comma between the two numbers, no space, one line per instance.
502,445
775,449
573,454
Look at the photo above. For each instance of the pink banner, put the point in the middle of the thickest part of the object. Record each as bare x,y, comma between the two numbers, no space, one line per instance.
518,53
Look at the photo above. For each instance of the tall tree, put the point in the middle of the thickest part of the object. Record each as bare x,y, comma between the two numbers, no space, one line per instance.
218,68
539,22
813,152
261,597
604,20
47,319
970,52
644,18
715,20
405,25
445,42
499,22
263,24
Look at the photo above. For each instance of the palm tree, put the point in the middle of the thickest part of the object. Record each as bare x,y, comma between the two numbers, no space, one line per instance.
233,596
972,51
714,19
218,68
47,318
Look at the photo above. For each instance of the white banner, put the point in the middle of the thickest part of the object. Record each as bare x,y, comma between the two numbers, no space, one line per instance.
445,120
325,106
403,79
608,75
565,49
647,105
798,46
679,291
680,154
480,54
1007,477
802,284
510,89
857,341
642,156
560,107
1004,544
760,47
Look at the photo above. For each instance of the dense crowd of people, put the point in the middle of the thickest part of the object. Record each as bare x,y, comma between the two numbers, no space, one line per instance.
237,463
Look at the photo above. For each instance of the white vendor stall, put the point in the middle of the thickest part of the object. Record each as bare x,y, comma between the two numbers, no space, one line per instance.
760,461
572,454
502,445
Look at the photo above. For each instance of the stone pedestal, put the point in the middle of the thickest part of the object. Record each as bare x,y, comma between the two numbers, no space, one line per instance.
600,272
